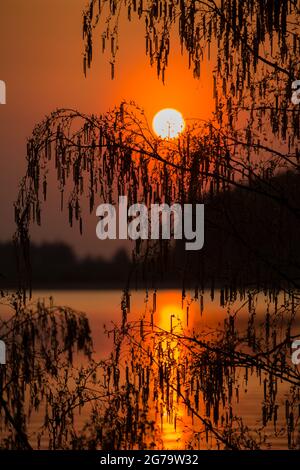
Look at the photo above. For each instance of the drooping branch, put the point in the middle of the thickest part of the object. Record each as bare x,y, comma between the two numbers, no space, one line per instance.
117,153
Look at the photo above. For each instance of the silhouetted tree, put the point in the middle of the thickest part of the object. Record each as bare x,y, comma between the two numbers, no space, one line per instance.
254,45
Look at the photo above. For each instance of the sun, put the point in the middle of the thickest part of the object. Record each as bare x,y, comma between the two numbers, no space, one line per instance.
168,123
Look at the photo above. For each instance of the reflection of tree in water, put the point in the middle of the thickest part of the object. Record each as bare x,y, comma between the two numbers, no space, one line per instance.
191,378
168,374
41,342
153,371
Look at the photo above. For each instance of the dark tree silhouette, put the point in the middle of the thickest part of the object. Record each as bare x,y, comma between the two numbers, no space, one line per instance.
254,45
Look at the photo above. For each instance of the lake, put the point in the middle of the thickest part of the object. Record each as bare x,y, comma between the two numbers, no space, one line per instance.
180,428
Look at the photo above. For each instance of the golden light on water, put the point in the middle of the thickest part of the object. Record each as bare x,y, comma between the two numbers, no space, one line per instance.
171,317
168,123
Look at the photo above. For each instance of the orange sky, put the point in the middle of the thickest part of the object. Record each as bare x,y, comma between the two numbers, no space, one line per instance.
41,63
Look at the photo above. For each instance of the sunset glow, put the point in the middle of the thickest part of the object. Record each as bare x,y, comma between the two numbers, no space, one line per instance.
149,244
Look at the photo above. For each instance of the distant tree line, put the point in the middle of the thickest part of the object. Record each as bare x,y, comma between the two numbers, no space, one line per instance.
250,241
55,265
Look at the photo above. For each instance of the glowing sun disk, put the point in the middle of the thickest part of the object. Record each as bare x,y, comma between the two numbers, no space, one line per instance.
168,123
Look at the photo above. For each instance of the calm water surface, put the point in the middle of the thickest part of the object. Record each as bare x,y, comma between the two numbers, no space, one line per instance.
103,308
